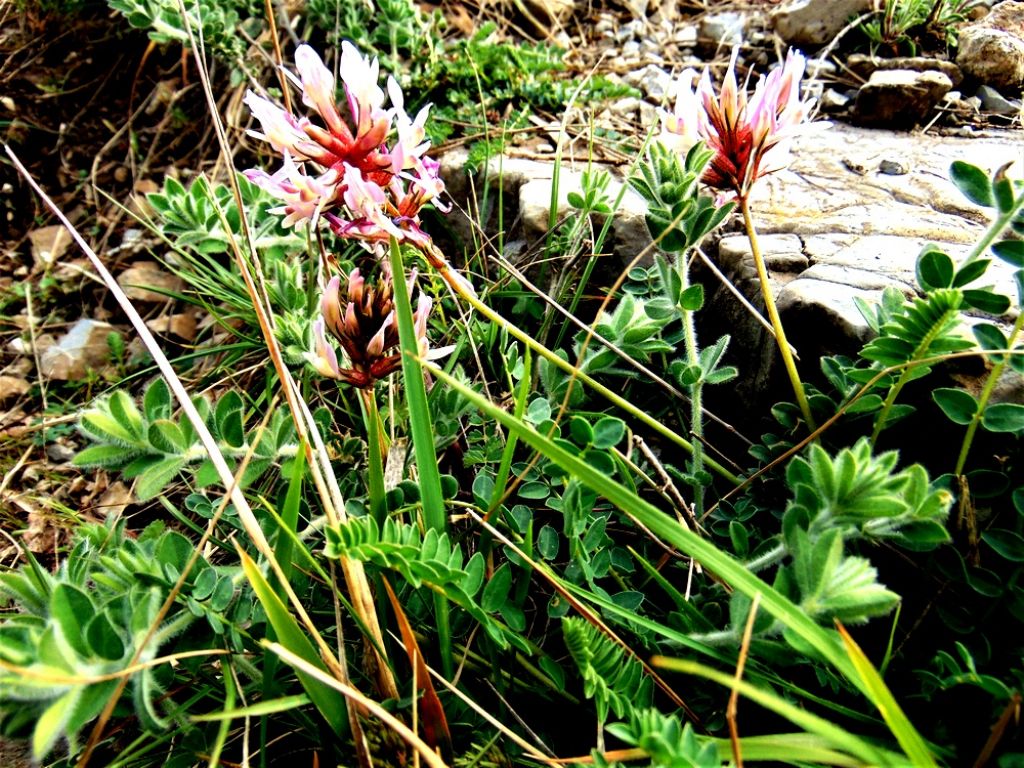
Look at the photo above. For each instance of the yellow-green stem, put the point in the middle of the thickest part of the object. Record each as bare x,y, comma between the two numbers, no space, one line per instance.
696,389
773,316
986,393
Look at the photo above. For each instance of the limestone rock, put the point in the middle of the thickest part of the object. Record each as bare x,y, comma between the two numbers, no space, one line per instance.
183,325
993,101
900,97
654,81
551,10
992,49
78,351
142,277
782,252
629,227
864,66
815,22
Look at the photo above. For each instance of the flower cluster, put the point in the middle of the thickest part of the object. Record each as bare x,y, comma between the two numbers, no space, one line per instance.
343,167
366,327
750,139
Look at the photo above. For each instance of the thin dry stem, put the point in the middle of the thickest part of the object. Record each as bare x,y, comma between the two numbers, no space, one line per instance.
730,711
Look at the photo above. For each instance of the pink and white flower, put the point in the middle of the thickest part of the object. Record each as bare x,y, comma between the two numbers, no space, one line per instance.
304,196
750,138
366,327
364,167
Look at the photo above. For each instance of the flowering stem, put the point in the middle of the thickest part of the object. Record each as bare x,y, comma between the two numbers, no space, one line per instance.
420,425
773,315
375,452
696,390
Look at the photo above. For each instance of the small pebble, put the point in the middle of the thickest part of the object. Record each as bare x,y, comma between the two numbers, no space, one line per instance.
832,100
58,453
893,168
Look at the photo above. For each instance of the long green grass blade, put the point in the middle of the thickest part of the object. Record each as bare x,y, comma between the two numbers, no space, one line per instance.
272,707
790,748
834,735
422,428
880,695
284,545
328,702
225,727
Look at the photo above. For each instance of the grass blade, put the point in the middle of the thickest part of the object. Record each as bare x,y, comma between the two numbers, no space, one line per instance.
331,705
422,428
880,695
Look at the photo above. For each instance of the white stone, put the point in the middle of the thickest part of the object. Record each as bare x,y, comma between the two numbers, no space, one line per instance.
722,30
900,97
48,244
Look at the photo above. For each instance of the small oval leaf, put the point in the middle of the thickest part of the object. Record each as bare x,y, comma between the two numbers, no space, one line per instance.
934,269
1004,417
958,405
973,182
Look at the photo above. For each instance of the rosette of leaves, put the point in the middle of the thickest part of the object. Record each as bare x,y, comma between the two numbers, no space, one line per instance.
192,217
99,613
677,216
150,446
217,21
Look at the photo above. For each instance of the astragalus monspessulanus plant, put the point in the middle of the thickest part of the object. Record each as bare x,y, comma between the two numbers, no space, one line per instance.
750,139
366,175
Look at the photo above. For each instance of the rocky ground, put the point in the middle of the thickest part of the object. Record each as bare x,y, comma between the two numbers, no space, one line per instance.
845,220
